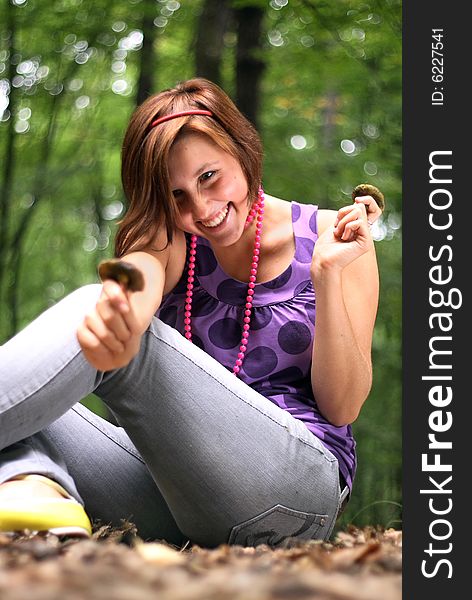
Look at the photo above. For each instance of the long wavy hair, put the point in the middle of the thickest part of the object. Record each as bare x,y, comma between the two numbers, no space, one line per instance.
145,153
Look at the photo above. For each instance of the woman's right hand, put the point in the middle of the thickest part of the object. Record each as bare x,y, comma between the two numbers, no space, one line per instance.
110,334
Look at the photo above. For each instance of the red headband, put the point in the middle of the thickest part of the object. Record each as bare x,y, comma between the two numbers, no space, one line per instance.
184,113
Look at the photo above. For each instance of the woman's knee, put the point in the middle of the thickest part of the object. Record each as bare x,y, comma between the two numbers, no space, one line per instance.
85,296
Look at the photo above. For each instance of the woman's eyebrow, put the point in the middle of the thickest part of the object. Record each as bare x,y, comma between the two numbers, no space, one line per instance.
204,167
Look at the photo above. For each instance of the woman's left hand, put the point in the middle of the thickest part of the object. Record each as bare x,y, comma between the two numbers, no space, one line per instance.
346,240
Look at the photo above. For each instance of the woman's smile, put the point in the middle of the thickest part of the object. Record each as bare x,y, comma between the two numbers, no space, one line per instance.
217,219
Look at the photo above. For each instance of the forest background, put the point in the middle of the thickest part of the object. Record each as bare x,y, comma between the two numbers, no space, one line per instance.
322,82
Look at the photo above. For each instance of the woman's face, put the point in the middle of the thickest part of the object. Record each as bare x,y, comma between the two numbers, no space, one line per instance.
210,189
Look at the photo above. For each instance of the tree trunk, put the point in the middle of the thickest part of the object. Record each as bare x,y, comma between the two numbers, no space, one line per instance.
213,23
147,62
8,162
249,64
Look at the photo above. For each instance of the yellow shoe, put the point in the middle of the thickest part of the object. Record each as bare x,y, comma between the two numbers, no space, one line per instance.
61,516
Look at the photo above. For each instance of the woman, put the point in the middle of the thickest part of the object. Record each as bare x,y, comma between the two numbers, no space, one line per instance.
235,411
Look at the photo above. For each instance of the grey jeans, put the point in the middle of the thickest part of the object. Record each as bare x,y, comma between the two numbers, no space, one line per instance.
199,454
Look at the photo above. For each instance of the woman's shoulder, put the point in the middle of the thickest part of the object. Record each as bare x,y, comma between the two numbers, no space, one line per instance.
325,217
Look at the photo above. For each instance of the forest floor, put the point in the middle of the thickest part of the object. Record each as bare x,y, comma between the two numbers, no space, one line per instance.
359,564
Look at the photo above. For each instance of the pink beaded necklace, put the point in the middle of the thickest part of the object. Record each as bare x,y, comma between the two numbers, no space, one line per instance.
257,211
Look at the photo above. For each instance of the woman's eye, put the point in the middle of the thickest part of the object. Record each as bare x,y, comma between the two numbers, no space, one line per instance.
177,193
207,175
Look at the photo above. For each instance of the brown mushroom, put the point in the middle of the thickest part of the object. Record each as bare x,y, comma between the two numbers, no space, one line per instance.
365,189
124,273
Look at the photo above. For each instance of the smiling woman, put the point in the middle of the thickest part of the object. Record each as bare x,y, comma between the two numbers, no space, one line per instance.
235,411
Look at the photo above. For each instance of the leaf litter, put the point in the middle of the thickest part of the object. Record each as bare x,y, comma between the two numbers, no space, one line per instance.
359,564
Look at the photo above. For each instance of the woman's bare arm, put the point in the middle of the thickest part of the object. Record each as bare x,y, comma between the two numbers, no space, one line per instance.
345,278
110,334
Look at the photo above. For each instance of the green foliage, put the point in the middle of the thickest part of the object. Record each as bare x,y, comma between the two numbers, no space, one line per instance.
330,119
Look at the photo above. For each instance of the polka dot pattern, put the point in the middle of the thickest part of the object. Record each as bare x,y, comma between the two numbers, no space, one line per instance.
261,317
169,315
305,250
225,333
231,291
277,362
294,337
313,224
203,306
206,261
260,362
279,281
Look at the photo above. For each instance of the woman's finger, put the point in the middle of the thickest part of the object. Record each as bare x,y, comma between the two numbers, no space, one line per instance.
94,323
120,299
116,295
354,229
354,212
114,320
373,210
90,343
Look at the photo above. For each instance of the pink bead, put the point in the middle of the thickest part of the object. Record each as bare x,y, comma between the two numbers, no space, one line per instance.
256,212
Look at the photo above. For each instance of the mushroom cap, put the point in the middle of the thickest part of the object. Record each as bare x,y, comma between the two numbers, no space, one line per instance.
124,273
366,189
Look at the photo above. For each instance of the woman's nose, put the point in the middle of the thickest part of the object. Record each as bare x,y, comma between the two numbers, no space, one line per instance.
200,206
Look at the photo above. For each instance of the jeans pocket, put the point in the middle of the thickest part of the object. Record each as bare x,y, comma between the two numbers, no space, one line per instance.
276,525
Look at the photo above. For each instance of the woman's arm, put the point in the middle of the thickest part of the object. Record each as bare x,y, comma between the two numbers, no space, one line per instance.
345,277
110,335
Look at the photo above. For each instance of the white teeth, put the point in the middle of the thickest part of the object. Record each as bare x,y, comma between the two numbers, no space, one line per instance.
218,219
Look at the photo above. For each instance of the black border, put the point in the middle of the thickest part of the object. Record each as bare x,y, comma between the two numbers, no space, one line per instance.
428,128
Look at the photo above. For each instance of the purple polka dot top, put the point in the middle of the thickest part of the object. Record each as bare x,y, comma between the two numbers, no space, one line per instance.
277,363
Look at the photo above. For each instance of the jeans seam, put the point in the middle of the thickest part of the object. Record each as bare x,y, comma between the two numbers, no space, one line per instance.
110,436
331,460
